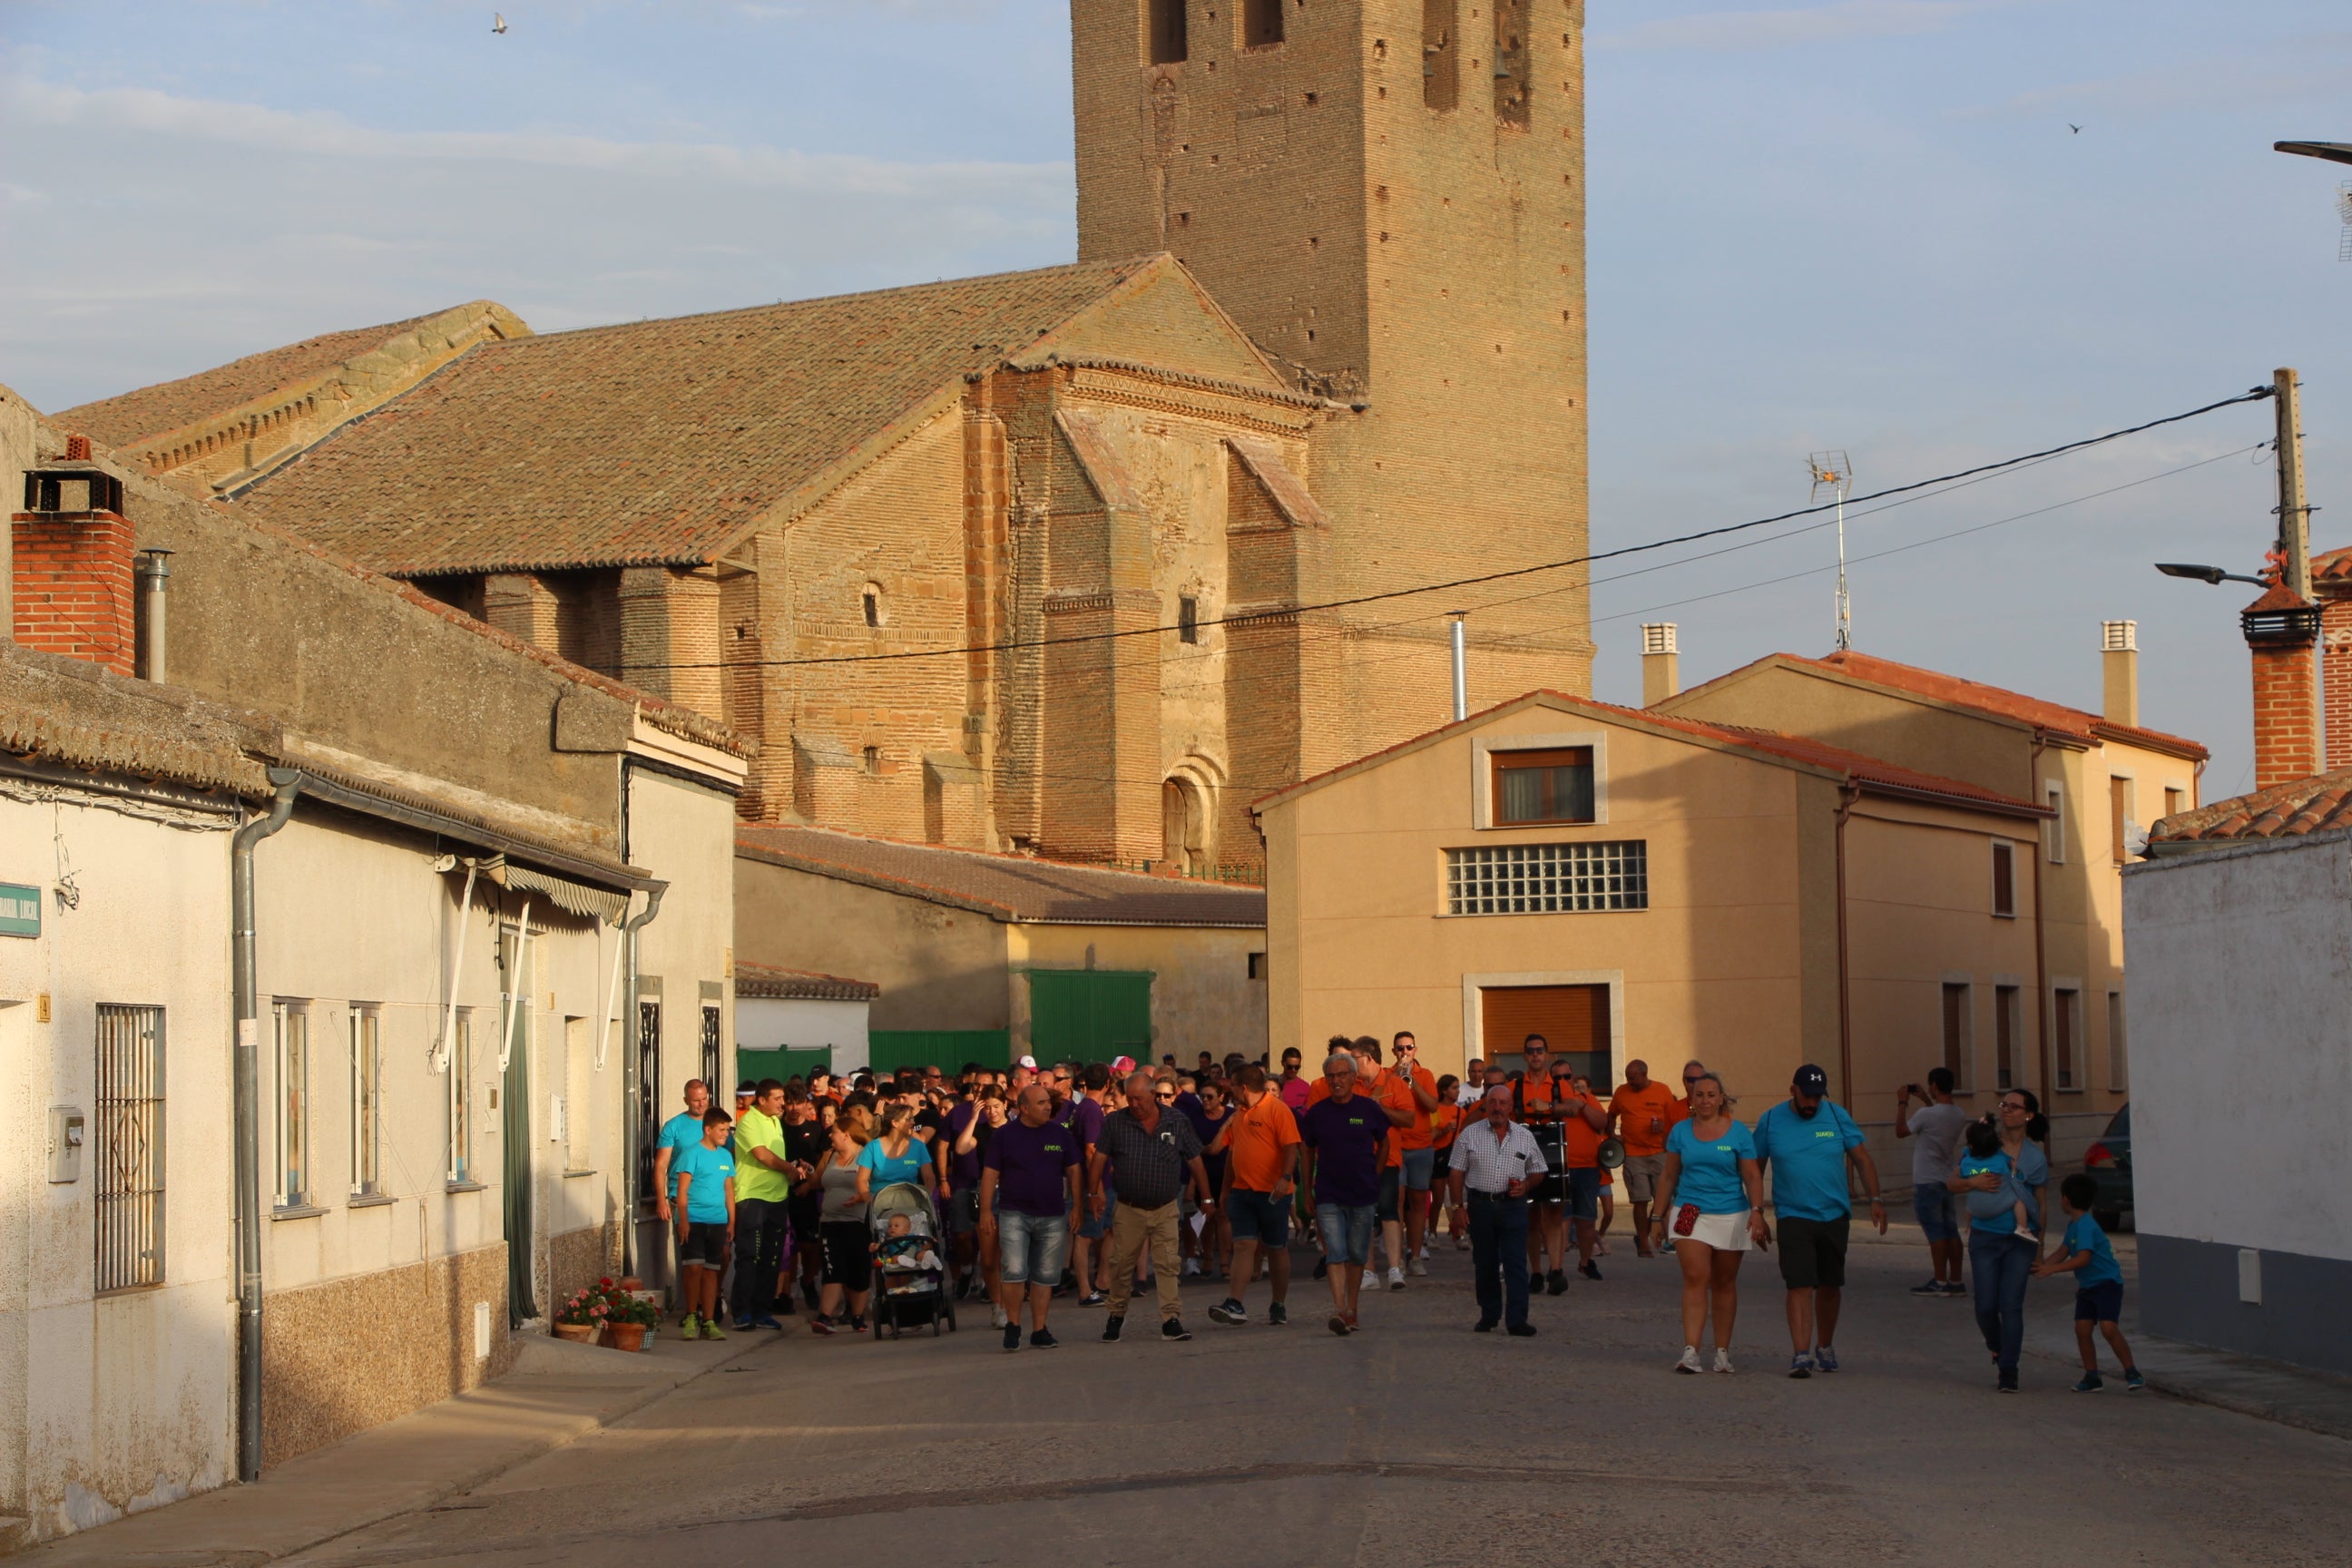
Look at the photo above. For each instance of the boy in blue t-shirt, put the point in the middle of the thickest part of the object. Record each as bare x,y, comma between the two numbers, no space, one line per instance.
2098,1283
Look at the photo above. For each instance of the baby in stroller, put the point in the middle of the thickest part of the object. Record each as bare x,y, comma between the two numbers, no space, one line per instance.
906,1258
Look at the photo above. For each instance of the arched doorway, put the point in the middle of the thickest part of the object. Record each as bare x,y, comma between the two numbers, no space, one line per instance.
1184,826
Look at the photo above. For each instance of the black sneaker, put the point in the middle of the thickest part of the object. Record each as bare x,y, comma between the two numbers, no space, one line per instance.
1932,1287
1521,1331
1322,1268
1556,1282
1230,1312
1483,1326
1175,1329
1588,1268
1093,1298
1277,1315
743,1325
2008,1384
1112,1324
1042,1340
1012,1336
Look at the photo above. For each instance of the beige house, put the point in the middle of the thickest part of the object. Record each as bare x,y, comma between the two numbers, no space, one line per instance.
2100,778
985,957
491,927
1640,884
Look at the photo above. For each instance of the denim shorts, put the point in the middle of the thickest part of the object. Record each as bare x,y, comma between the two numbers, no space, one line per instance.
1258,1217
1347,1233
1420,1167
1089,1228
1583,1192
2100,1303
1387,1207
1933,1205
963,1211
1031,1248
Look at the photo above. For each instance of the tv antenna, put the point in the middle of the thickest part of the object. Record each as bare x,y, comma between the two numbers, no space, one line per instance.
1833,472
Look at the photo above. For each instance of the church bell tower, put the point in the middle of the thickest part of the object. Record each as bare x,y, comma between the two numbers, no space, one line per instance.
1389,197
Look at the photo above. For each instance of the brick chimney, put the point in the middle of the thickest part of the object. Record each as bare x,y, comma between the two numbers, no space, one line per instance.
2281,629
70,553
2331,580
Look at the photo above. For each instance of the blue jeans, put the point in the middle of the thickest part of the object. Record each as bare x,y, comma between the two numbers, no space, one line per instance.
1498,1256
2000,1262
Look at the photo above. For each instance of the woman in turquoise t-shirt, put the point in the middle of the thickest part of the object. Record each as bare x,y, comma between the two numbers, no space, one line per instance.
1711,1203
893,1157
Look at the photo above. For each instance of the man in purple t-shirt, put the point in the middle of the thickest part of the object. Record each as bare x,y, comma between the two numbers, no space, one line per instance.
1028,1184
1346,1134
1090,1255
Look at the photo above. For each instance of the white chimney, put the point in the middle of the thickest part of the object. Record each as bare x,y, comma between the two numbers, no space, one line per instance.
1661,663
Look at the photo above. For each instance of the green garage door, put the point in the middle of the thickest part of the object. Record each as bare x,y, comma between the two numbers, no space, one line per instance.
887,1051
1089,1014
781,1064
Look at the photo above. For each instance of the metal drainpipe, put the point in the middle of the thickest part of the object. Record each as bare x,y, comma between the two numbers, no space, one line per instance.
155,575
1852,794
245,981
2040,946
630,1195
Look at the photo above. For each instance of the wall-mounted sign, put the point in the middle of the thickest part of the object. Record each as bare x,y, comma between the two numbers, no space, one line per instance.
20,909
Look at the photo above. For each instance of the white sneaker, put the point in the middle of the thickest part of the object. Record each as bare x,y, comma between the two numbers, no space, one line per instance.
1722,1359
1690,1360
1371,1279
1191,1267
1396,1278
1417,1268
996,1318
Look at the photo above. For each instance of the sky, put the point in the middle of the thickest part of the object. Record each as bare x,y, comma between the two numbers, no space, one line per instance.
1864,226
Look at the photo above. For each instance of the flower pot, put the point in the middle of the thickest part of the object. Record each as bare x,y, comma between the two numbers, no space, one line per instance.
625,1336
631,1282
578,1334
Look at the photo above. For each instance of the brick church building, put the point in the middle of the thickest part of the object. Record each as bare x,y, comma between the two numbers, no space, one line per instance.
1077,561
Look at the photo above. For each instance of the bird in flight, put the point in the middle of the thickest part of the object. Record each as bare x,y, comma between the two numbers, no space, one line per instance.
2070,124
498,22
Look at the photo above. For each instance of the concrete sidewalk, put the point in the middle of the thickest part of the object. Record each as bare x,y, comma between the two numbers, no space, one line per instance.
2270,1391
557,1392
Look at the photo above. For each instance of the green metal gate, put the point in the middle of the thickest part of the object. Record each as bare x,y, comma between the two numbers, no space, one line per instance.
886,1050
1089,1014
781,1063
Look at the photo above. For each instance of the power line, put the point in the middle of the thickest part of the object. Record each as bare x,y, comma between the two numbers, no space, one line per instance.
2254,394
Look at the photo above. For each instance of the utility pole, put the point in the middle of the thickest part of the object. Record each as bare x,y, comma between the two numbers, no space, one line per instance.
2293,515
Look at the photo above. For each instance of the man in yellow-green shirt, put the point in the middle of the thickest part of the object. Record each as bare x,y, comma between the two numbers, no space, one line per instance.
763,1180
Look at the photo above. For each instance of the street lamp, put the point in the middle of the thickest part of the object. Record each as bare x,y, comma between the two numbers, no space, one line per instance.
2334,151
2212,575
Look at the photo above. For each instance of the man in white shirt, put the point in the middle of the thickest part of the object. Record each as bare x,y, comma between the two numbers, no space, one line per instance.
1937,1125
1496,1162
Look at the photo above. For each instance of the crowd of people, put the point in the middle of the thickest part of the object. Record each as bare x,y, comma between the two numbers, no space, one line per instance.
1091,1183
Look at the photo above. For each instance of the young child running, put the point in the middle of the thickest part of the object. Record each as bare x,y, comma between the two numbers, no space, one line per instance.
2098,1284
1985,1158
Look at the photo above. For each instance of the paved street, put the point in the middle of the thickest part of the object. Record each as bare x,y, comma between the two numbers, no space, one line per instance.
1414,1442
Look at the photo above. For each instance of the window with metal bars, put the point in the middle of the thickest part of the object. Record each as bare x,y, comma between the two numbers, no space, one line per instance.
1549,878
367,1102
648,1092
710,1062
293,1023
459,1163
130,1146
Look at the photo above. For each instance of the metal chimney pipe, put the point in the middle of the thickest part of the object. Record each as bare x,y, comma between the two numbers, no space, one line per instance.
1461,669
155,575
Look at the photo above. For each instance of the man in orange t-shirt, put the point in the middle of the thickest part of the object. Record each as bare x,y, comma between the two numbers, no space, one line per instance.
1405,1101
1417,1143
1261,1176
1546,1096
1692,1072
1641,1113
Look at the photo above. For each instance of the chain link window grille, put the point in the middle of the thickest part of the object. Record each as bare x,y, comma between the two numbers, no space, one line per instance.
1547,878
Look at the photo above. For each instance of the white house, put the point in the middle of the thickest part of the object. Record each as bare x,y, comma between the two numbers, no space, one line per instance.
795,1021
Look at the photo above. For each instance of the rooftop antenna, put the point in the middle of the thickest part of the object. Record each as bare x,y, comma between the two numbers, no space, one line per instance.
1834,472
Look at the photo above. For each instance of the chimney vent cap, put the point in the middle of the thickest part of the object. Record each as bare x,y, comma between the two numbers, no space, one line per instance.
2119,636
1658,637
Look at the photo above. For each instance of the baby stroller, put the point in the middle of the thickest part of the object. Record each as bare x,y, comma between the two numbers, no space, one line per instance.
910,1274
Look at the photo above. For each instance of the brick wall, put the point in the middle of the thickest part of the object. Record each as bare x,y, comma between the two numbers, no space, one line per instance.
71,587
2286,714
2336,667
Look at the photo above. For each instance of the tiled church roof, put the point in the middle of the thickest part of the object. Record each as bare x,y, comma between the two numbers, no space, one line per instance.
656,442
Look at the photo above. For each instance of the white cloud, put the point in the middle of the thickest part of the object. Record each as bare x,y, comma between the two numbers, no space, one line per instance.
1733,31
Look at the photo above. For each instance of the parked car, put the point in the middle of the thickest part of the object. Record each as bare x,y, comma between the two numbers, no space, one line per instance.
2108,1163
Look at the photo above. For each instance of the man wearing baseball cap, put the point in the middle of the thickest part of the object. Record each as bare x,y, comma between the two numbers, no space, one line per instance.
1806,1142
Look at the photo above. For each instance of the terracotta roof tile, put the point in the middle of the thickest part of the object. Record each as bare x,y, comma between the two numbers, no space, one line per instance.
1953,688
2322,803
1004,887
655,442
767,980
2332,565
122,421
73,714
1858,768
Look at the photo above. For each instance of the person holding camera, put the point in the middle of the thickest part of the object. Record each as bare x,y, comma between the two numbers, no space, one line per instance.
1937,1125
1710,1198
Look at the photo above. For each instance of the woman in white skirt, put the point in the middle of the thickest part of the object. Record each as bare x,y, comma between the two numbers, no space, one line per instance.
1711,1203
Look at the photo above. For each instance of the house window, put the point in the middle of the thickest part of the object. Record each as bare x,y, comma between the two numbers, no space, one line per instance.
2118,1059
2053,831
2119,812
579,1096
459,1165
1441,73
1167,32
2176,801
2066,1018
1513,80
292,1021
872,756
1547,878
1188,619
870,597
1261,23
2004,1037
367,1101
2004,880
648,1092
711,1063
128,1151
1960,1034
1543,787
1257,966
